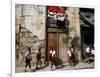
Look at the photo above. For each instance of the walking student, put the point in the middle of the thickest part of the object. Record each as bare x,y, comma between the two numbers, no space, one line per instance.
38,58
87,52
69,53
50,56
53,60
28,58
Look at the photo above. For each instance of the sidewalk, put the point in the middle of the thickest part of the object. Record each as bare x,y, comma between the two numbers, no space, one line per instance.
81,65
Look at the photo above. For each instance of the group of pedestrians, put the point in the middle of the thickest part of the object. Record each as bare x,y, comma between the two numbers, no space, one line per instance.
90,53
52,57
70,57
28,58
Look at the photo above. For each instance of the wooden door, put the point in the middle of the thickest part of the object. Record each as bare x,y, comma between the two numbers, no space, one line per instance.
51,42
62,47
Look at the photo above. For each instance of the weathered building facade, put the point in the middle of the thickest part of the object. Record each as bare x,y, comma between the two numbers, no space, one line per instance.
34,28
30,29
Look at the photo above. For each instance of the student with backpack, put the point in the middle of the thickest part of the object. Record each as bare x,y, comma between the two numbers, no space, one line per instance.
28,58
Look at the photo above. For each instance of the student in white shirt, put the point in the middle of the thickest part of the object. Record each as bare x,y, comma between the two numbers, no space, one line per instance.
92,52
28,58
50,56
53,61
69,55
87,51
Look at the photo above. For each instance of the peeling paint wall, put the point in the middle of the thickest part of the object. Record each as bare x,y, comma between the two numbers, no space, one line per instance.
30,28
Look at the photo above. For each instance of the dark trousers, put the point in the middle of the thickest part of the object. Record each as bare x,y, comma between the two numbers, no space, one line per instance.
87,55
53,62
38,63
28,63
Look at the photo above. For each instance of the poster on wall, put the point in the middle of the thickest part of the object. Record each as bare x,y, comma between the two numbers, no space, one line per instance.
49,38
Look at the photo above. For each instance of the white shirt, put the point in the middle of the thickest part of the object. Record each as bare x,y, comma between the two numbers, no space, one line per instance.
26,53
53,53
50,52
69,53
87,49
72,49
92,51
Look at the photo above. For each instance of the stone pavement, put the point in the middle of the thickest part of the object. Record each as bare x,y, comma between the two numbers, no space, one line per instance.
20,69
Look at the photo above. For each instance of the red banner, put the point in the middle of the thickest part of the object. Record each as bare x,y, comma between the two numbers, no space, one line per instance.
56,9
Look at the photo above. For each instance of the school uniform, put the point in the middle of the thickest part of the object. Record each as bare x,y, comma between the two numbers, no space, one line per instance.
28,58
53,60
50,55
69,56
38,58
87,52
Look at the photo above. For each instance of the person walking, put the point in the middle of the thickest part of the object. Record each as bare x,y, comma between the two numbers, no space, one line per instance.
53,60
69,54
87,52
28,58
50,56
92,52
38,58
72,62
